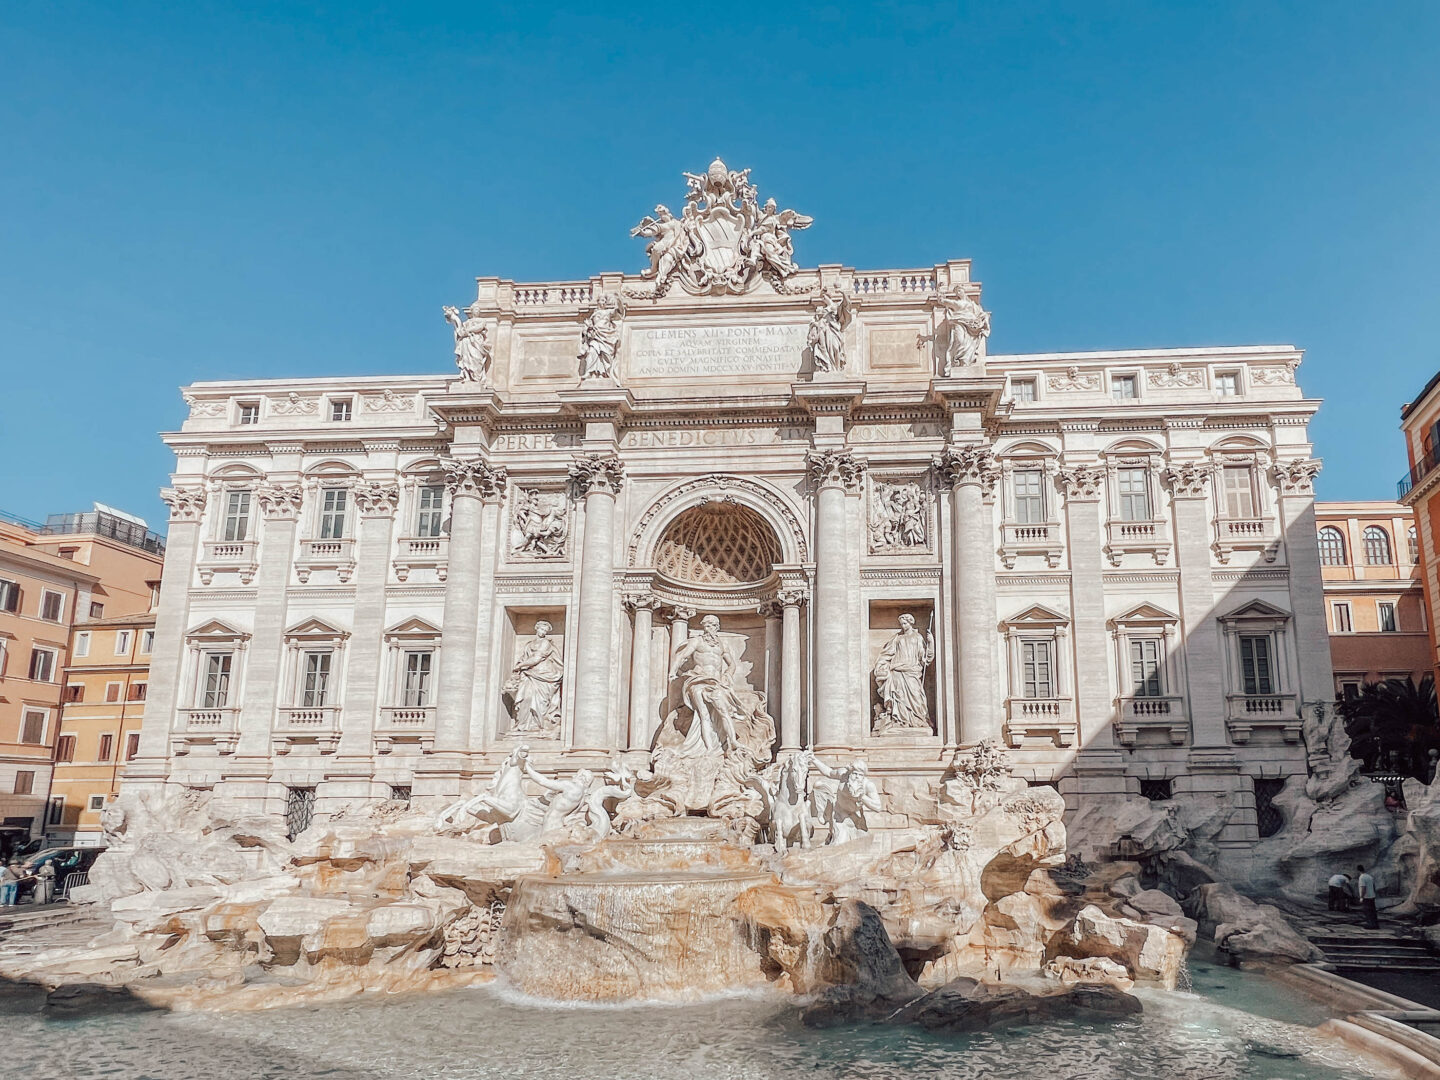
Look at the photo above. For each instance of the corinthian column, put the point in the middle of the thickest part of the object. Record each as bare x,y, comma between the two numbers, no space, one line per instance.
641,693
834,472
597,477
471,484
969,472
1295,493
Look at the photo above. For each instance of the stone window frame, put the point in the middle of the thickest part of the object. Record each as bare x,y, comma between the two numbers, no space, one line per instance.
427,472
314,635
1237,373
320,478
1380,606
1137,380
1148,621
1037,623
214,637
1326,537
1125,535
1019,457
1258,618
218,552
1381,553
410,635
1259,532
1035,381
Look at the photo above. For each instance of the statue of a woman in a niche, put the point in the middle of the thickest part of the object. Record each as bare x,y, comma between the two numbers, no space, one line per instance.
534,686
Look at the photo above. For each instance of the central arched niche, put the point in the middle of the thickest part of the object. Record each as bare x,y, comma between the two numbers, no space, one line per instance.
718,544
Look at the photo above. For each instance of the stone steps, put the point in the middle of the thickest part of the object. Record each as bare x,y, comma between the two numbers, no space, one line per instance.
1375,950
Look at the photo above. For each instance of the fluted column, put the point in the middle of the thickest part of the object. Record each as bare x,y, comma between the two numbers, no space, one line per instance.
834,472
597,477
969,472
187,505
792,672
1083,486
1295,496
770,612
679,633
641,692
470,484
375,503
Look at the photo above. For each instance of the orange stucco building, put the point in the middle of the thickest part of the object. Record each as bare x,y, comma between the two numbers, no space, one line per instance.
73,568
1420,491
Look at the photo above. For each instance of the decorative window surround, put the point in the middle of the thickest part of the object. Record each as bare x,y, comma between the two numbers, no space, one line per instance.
408,726
1043,538
214,726
1146,536
1164,714
422,546
1256,531
316,724
1277,711
1038,721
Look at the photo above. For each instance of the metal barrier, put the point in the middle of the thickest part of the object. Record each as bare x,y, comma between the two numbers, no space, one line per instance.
74,881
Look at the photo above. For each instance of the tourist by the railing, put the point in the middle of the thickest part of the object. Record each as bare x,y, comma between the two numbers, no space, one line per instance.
10,877
1366,885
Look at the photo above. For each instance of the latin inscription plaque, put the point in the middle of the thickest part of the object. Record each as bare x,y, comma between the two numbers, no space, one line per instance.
700,351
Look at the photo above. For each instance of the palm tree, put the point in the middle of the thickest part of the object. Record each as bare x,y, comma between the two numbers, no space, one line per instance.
1393,724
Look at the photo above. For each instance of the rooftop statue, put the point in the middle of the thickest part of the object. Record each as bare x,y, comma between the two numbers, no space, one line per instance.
472,346
724,241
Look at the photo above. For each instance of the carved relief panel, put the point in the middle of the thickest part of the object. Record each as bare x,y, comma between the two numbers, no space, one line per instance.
899,516
539,524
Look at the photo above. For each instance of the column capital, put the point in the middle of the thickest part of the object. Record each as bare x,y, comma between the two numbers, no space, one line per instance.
681,614
1189,479
836,468
770,609
473,478
792,597
281,502
597,472
641,601
1296,477
377,499
186,503
969,464
1081,482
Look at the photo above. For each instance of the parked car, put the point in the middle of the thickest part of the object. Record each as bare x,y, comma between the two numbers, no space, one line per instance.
66,860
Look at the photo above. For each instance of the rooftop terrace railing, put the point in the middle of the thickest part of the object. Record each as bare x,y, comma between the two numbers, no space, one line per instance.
98,523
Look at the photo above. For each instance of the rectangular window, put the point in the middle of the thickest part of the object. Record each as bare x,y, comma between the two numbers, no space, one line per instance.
52,605
431,515
82,643
1145,667
340,410
417,678
215,685
1022,390
249,412
332,513
315,684
1239,492
9,596
106,748
147,641
1133,489
56,813
1340,617
137,691
96,802
112,691
1256,670
69,553
1122,387
1350,690
24,782
65,748
1227,383
122,643
97,609
42,664
32,728
1029,497
74,693
1037,677
132,745
1386,611
237,516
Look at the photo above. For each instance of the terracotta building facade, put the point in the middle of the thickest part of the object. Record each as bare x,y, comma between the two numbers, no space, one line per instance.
1419,489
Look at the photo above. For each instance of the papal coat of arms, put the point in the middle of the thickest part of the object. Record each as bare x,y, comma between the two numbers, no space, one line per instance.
724,241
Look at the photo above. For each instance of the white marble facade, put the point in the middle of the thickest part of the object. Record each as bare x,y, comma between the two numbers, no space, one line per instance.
1110,555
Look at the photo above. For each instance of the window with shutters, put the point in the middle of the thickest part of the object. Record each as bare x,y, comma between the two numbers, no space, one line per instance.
112,691
24,782
333,505
97,609
132,745
32,728
147,642
137,691
1037,675
237,516
82,644
1227,383
1145,657
1332,546
1377,546
106,749
122,643
1239,493
1133,491
1256,664
1022,390
417,678
52,605
1385,610
215,680
65,748
42,664
1124,387
430,513
9,596
315,679
74,693
1414,543
1029,496
1340,617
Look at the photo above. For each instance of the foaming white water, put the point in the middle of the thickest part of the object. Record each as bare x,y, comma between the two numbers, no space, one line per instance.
502,990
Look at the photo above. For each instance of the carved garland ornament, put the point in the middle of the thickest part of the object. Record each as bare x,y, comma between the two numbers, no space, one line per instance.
186,503
473,478
707,483
1297,477
838,467
961,465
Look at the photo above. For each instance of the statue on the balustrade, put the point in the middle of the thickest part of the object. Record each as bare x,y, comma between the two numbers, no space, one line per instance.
843,804
900,680
785,789
472,346
727,716
964,327
826,337
534,687
503,802
600,338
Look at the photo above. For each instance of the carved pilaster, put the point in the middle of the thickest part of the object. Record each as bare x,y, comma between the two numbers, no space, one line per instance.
839,468
280,501
377,499
1296,477
1081,481
1188,479
961,465
473,478
186,503
596,472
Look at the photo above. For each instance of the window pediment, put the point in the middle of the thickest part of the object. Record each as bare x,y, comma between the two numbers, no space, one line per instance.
414,629
1036,617
1256,612
1144,615
216,631
316,630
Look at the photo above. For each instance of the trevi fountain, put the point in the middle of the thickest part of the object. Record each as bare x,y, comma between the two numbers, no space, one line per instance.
812,826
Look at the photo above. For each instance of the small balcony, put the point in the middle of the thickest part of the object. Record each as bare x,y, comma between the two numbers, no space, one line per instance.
1246,534
337,555
307,725
1143,537
403,727
1419,473
1030,539
1037,722
422,553
218,728
1165,717
1246,714
230,556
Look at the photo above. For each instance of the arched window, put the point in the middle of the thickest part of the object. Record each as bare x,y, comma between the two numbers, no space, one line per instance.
1377,546
1414,546
1332,546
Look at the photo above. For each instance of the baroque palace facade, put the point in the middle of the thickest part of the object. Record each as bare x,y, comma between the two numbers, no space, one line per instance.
380,587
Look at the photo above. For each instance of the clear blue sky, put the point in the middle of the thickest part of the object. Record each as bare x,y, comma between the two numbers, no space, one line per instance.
194,190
